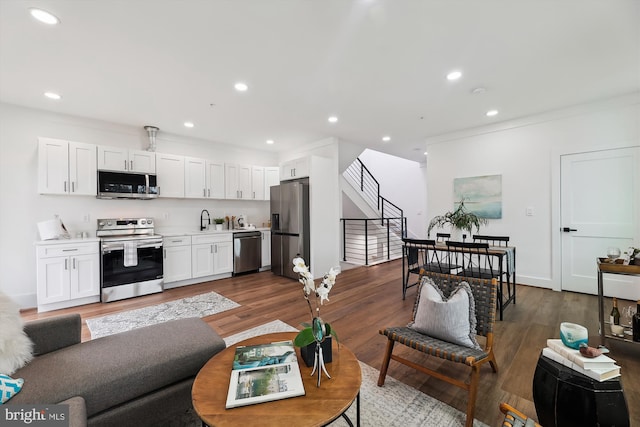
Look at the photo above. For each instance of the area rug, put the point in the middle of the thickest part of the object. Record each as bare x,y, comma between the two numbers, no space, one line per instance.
195,306
394,404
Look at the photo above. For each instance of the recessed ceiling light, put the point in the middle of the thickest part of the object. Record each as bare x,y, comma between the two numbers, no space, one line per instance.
241,87
478,90
44,16
386,138
188,124
270,141
492,113
52,95
332,119
425,153
454,75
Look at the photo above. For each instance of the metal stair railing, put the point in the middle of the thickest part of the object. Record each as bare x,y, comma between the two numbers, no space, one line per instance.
371,240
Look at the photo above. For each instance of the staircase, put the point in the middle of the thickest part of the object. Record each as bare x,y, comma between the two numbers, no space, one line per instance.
376,236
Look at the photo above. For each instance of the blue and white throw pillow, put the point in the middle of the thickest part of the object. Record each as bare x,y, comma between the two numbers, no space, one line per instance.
9,387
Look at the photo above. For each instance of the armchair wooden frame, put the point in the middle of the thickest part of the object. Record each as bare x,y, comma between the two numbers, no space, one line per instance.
485,296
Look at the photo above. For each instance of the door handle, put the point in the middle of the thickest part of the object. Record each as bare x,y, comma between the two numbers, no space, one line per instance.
567,229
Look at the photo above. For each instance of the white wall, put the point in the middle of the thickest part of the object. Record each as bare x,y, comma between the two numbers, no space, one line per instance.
526,154
21,207
402,182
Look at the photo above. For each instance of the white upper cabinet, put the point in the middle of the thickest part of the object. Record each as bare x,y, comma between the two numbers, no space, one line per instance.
271,178
66,167
195,183
124,160
294,169
215,180
170,171
257,183
237,180
203,179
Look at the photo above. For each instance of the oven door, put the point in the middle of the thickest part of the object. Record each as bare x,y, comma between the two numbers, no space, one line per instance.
146,265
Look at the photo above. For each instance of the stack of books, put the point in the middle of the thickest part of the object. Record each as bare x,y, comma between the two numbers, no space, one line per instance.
600,368
264,372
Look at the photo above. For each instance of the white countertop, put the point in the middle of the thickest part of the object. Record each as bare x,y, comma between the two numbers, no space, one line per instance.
67,241
171,232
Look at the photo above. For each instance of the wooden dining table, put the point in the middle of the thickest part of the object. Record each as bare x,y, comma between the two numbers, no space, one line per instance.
506,262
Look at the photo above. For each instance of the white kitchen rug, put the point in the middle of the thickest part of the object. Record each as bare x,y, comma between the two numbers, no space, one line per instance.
195,306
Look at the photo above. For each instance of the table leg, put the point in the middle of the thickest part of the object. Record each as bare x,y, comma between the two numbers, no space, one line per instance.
600,307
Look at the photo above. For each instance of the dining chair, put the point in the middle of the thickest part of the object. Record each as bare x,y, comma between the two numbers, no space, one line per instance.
474,258
491,240
420,256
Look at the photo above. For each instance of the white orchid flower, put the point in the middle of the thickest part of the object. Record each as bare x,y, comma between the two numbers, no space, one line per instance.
323,293
299,266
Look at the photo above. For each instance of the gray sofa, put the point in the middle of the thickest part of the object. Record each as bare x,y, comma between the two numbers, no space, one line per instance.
142,377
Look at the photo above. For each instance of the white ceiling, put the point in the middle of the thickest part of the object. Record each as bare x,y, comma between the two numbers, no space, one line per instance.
379,65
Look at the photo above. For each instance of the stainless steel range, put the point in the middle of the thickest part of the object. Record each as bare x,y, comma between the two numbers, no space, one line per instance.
131,261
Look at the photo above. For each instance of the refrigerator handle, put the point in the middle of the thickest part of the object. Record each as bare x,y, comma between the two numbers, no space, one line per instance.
275,222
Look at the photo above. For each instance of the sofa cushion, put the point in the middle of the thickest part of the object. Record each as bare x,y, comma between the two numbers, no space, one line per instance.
115,369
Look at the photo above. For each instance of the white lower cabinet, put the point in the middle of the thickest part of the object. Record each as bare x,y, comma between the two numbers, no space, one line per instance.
266,249
68,274
211,254
177,258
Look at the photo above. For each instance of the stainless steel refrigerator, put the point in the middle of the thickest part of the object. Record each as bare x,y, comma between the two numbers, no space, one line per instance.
289,225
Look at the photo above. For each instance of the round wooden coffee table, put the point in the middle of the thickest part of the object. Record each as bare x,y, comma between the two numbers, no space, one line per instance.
319,405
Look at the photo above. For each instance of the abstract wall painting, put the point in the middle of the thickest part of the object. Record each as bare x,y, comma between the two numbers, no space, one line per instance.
482,195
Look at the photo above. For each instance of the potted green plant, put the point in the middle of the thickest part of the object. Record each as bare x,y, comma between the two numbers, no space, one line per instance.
219,222
459,220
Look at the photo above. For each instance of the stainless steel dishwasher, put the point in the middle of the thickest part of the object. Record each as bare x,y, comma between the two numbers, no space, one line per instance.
247,251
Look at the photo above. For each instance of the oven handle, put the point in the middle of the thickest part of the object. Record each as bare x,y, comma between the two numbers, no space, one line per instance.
151,245
120,246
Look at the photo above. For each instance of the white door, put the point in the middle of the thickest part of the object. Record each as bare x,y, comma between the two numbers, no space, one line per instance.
170,170
257,183
222,257
194,178
215,180
53,280
85,273
142,161
600,208
113,158
53,166
82,169
201,260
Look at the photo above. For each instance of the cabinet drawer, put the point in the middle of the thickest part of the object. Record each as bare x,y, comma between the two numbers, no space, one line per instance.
212,238
48,251
176,241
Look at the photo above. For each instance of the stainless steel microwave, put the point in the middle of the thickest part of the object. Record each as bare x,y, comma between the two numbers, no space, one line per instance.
127,185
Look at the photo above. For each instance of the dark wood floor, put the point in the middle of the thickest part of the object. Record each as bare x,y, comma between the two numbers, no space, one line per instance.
366,299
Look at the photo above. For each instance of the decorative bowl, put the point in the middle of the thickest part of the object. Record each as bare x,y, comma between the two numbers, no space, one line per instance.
572,335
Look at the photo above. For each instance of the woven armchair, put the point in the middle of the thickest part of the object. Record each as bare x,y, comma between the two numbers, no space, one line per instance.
485,297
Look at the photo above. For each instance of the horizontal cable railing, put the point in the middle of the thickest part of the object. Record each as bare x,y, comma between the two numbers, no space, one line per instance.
370,240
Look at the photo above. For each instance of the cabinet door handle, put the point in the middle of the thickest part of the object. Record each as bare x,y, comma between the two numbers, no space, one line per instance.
211,248
70,250
254,194
65,186
209,192
125,165
66,264
216,250
130,165
73,186
74,263
165,254
204,192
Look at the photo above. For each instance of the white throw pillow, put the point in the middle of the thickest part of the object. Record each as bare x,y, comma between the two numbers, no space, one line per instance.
452,320
15,347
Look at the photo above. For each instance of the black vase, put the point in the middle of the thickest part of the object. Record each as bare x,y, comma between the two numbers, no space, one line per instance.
308,353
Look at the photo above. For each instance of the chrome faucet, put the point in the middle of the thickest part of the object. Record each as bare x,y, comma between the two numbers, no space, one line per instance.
204,227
